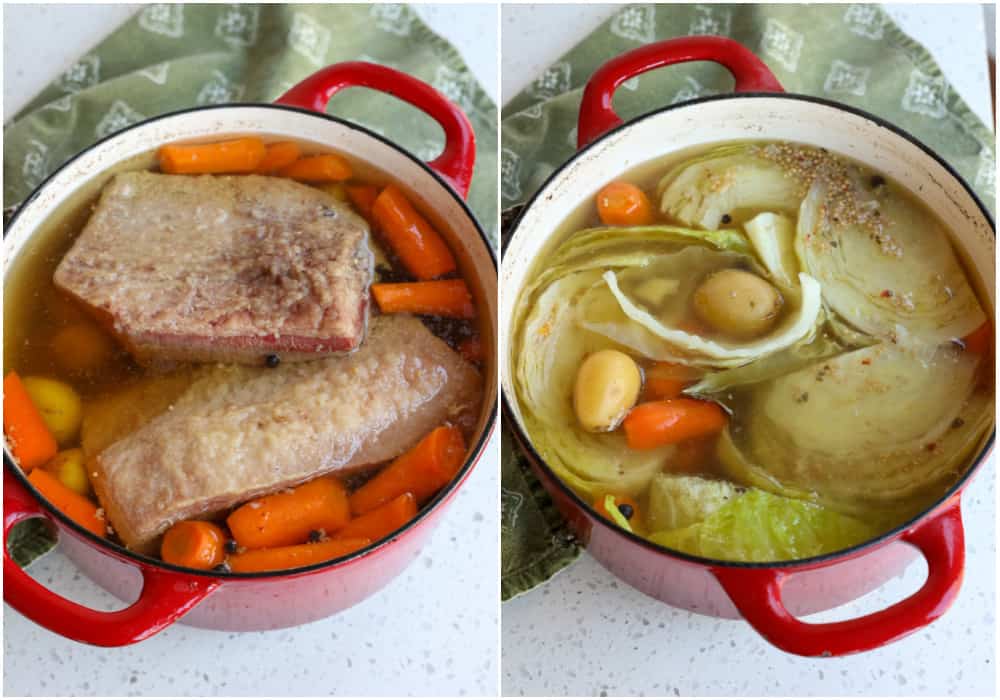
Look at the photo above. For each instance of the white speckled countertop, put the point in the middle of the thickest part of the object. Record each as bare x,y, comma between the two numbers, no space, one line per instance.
586,633
432,631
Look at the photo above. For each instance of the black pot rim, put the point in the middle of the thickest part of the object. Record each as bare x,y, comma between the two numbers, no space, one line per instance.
795,564
443,495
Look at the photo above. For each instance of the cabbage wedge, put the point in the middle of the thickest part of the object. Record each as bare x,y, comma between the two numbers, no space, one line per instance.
896,272
727,181
870,433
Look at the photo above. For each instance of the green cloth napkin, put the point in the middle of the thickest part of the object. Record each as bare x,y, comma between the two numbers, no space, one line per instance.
170,57
853,54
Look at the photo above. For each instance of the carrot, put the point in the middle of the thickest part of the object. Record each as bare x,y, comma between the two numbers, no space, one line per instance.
278,558
665,380
438,298
77,508
659,423
980,340
420,248
624,204
471,349
195,544
422,470
385,519
322,168
287,518
29,438
237,156
279,155
363,198
600,505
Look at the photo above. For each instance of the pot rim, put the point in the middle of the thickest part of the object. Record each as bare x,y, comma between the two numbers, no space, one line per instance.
796,564
475,452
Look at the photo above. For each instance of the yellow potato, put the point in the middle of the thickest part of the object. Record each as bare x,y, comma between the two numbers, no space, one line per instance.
59,405
68,467
607,387
737,303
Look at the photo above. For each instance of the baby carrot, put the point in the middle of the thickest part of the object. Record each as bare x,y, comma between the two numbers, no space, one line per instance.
363,198
425,468
385,519
195,544
29,438
438,298
78,508
471,349
279,155
322,168
624,204
278,558
288,518
659,423
420,248
665,380
237,156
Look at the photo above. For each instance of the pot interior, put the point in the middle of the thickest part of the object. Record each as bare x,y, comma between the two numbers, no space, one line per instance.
741,118
82,178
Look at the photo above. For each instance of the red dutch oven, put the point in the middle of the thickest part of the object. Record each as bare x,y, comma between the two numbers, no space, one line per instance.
160,594
768,596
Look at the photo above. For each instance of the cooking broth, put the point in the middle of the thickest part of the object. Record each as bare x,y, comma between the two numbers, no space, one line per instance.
741,438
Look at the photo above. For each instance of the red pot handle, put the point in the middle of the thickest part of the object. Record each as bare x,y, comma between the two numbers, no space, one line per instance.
165,596
757,595
597,113
456,162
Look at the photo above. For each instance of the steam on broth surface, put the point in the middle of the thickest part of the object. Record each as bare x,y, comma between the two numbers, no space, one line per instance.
813,361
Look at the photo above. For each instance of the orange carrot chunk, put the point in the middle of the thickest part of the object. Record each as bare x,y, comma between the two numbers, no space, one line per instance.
657,423
279,155
77,508
287,518
322,168
385,519
237,156
471,349
438,298
980,340
29,438
363,198
195,544
278,558
422,471
420,248
624,204
666,380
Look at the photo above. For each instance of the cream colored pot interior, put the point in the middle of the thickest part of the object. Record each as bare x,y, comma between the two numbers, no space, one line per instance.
750,118
85,176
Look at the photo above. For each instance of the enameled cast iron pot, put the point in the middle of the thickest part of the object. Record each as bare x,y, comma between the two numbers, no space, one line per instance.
768,596
160,593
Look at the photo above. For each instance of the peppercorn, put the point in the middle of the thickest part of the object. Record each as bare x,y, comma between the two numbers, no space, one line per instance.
315,535
272,361
727,219
877,181
626,510
222,568
231,547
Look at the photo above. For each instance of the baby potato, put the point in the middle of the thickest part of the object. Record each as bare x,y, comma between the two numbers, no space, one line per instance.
607,386
59,405
737,303
68,467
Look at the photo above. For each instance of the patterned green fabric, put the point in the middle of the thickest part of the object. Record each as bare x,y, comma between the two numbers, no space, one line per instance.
170,57
852,54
